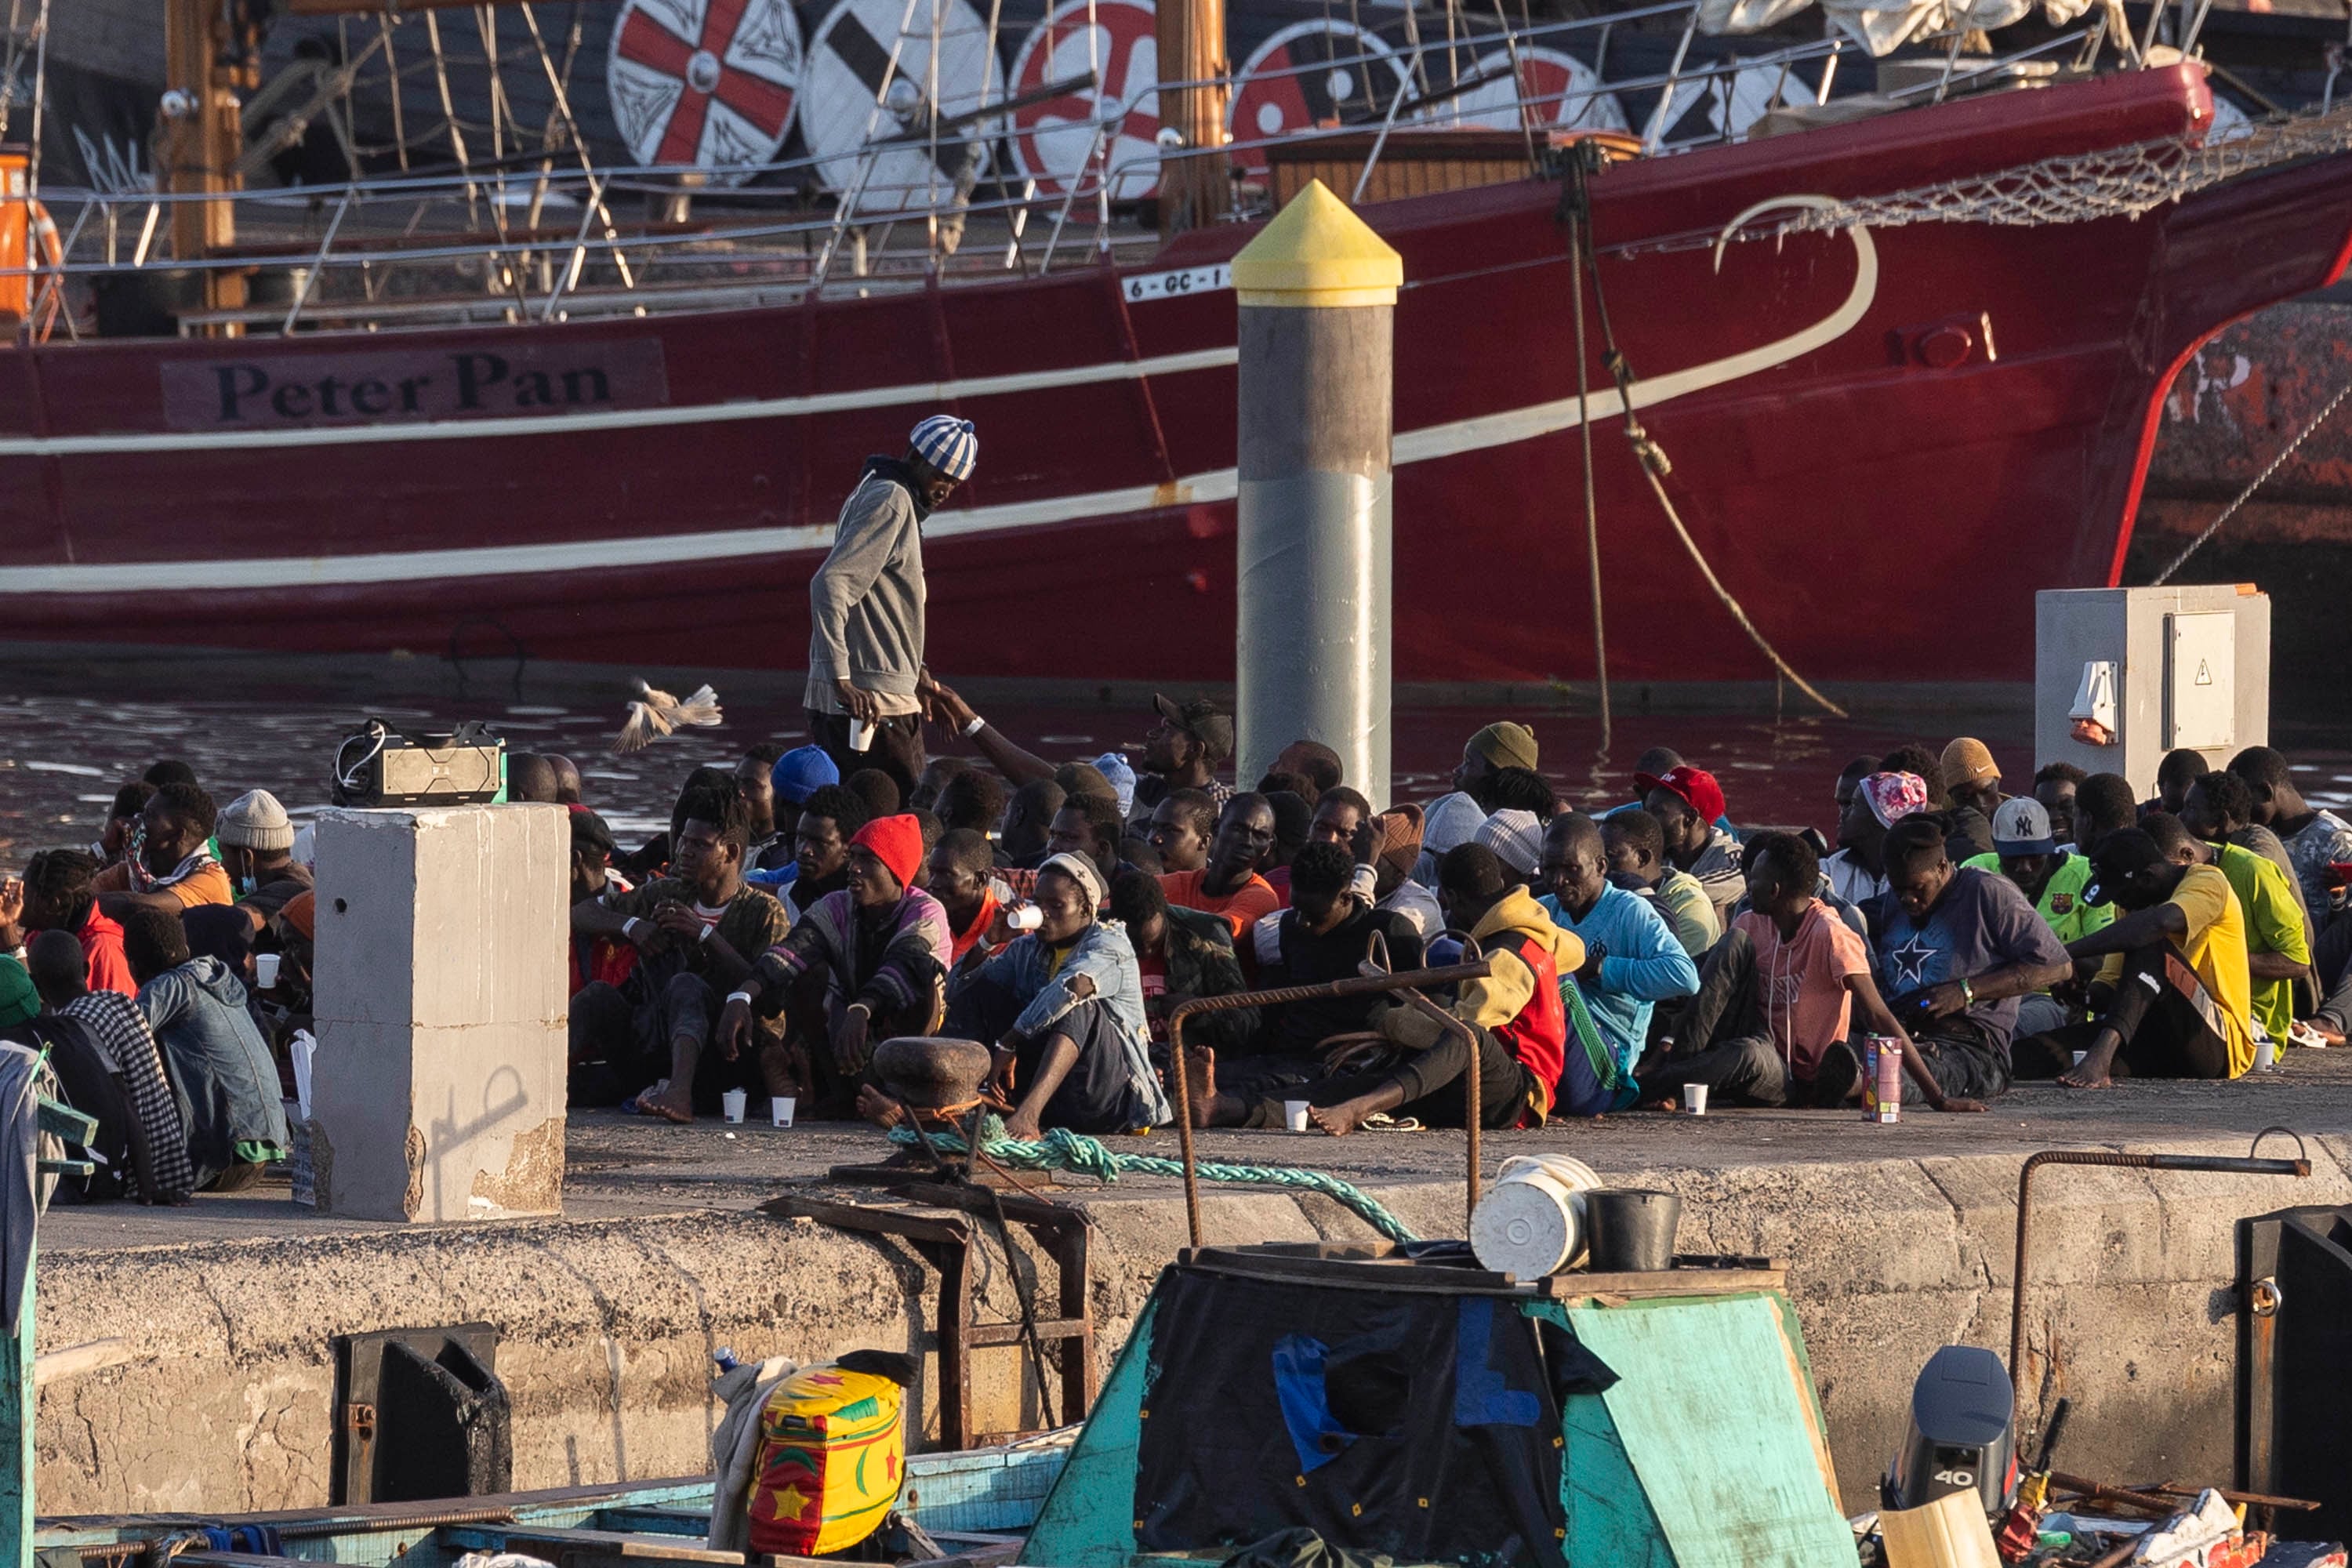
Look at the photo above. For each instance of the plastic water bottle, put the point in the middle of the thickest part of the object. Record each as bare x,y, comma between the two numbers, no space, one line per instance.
725,1357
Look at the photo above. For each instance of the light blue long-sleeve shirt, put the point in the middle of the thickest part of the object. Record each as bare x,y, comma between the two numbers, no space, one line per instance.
1643,965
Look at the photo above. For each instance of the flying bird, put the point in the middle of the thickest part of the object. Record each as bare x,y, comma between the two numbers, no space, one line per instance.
658,713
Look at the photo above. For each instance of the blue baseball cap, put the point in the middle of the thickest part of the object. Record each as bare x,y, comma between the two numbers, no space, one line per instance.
800,773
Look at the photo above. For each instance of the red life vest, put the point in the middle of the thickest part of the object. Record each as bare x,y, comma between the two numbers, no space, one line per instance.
1539,1035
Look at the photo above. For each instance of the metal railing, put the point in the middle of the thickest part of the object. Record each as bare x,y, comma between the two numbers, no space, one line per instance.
371,227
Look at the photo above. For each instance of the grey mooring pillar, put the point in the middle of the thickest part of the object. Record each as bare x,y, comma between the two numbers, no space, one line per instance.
1317,290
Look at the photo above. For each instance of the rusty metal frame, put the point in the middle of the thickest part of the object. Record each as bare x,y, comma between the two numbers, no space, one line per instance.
2247,1166
1408,981
940,1221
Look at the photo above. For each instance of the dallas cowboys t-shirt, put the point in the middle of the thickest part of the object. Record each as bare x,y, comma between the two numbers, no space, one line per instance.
1981,923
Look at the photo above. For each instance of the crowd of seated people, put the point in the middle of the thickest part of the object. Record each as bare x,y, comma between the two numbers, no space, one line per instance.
2074,932
792,918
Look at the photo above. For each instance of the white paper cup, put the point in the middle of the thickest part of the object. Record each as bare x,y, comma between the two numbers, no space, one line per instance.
1694,1099
2265,1055
732,1102
265,970
1294,1112
779,1110
2079,1056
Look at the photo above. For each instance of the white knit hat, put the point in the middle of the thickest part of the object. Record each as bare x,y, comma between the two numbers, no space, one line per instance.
1516,837
949,445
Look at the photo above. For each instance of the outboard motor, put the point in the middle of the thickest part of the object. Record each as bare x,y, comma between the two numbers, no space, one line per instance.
1961,1437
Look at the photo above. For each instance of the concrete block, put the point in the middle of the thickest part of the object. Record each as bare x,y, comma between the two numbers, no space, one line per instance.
440,1008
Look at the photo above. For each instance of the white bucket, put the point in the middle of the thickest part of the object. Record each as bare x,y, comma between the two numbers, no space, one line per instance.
1531,1222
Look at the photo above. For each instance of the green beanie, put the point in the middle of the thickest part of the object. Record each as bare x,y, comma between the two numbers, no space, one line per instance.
18,1000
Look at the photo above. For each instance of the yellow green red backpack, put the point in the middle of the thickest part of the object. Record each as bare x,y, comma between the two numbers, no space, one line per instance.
831,1453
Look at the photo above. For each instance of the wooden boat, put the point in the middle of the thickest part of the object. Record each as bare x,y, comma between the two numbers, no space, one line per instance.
974,1506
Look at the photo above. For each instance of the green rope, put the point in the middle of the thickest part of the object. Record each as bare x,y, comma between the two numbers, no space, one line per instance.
1063,1149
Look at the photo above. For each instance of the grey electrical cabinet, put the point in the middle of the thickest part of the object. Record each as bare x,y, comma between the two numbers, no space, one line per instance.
2122,675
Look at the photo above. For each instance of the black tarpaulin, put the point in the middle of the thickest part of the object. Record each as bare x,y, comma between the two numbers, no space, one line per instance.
1417,1425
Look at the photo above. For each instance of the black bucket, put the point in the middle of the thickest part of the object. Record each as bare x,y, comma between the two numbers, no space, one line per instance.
1633,1230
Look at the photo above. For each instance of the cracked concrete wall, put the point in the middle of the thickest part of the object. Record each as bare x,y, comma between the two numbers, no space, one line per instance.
608,1326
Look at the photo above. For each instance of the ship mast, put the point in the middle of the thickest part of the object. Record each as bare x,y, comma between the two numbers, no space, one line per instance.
1193,189
209,59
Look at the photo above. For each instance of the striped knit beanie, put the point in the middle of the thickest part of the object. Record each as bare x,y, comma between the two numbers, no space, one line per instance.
948,444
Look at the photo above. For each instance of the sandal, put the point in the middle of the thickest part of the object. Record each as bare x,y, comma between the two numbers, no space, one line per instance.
1381,1121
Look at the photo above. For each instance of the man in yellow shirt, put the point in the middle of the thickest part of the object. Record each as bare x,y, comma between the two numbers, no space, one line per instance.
2276,953
2179,1005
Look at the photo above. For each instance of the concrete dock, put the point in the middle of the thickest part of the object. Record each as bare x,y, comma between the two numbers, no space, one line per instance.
1898,1240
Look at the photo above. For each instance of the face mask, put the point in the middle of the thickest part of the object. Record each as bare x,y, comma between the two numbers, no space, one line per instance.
247,884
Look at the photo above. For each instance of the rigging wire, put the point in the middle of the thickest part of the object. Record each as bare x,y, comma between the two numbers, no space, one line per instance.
2244,496
1655,467
1579,235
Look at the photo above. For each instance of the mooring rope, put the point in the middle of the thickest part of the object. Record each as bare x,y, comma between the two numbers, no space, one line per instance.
1063,1149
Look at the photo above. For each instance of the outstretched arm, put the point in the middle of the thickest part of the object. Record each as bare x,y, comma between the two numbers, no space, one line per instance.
1021,767
2166,921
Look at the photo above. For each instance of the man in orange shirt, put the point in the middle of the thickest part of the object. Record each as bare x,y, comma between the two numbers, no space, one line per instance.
1229,885
174,869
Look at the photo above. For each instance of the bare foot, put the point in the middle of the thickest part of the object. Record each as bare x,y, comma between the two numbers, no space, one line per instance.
1021,1127
1342,1118
1200,1081
1669,1103
2090,1072
879,1108
674,1103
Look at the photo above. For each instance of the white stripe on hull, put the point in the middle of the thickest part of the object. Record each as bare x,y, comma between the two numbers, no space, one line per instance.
1483,432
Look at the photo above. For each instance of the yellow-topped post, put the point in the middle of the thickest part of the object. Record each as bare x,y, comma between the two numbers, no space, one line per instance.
1317,290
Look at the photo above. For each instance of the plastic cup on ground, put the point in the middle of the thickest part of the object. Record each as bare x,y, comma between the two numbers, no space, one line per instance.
265,970
2079,1056
2265,1056
1294,1113
779,1110
1694,1099
732,1102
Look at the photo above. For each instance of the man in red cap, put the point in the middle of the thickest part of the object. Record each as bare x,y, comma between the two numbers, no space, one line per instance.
864,964
1686,801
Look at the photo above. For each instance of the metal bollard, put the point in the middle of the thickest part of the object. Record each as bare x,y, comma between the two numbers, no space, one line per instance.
1318,291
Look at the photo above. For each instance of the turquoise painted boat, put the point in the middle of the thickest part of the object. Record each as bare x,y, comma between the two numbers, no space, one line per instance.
974,1505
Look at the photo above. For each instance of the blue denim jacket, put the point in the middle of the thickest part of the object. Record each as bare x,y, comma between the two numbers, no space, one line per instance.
222,1072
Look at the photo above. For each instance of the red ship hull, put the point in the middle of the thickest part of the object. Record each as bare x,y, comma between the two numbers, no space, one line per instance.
1882,442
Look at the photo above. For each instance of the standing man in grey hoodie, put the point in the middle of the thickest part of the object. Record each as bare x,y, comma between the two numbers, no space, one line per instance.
865,606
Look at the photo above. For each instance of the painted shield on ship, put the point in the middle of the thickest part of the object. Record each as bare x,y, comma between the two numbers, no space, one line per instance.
1305,75
1117,40
711,83
855,94
1555,91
